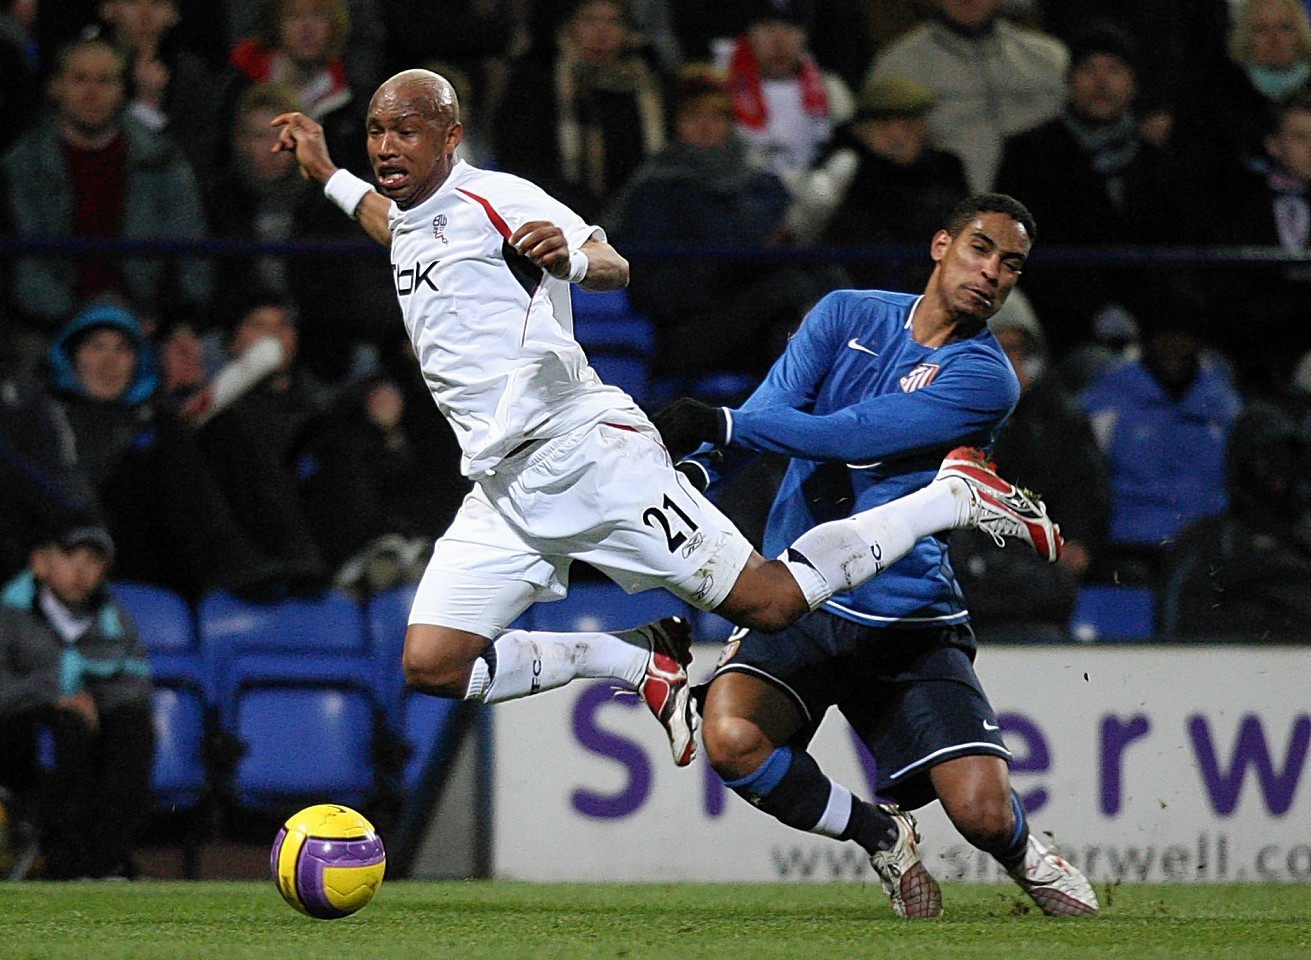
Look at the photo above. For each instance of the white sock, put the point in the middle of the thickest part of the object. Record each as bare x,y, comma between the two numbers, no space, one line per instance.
523,662
843,554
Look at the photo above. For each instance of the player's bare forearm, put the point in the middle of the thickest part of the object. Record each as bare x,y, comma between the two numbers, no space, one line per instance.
372,216
544,244
300,135
606,269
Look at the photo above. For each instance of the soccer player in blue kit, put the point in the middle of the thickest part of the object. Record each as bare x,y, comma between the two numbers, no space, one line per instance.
870,393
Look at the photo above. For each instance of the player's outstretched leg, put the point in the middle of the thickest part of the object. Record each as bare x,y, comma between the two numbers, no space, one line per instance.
905,879
1056,887
665,687
1001,508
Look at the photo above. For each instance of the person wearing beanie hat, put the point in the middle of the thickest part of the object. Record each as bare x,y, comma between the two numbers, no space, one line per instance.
1094,181
901,186
72,662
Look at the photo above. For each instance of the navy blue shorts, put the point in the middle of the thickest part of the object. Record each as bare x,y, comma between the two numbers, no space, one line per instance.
912,696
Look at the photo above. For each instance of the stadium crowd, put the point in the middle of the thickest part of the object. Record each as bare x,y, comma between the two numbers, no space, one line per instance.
748,157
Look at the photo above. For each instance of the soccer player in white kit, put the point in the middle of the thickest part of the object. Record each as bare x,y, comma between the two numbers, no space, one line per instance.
564,467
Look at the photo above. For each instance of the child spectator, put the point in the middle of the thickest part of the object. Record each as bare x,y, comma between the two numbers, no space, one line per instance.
71,662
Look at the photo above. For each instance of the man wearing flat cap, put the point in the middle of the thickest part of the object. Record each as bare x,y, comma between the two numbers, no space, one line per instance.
901,188
72,662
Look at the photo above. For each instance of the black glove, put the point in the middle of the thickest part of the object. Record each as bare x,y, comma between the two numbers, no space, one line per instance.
686,424
695,473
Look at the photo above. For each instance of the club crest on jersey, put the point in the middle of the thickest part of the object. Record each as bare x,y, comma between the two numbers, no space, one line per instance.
921,376
439,227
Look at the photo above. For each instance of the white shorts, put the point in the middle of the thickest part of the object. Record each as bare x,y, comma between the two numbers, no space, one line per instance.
607,494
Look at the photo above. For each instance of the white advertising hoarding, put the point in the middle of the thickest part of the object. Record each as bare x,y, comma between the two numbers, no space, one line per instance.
1180,763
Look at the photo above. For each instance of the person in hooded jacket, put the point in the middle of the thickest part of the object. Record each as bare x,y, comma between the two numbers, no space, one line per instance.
172,521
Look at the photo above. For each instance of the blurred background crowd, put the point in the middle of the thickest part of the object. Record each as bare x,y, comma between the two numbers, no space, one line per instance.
748,156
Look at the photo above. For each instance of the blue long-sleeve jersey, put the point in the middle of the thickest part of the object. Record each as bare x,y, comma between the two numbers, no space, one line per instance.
866,415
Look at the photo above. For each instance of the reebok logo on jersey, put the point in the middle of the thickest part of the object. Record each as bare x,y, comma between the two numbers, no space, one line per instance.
855,344
408,280
921,376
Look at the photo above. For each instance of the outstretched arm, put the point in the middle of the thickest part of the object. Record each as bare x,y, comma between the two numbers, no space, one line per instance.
303,137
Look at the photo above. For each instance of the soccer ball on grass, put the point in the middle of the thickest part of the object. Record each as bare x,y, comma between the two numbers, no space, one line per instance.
327,861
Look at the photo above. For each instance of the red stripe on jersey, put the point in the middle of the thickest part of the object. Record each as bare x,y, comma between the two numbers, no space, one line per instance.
501,226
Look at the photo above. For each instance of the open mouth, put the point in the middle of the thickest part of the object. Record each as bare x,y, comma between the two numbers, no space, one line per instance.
390,178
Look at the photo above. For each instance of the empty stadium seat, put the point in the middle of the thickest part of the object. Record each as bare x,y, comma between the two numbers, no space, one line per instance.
306,723
229,628
1106,612
603,605
180,777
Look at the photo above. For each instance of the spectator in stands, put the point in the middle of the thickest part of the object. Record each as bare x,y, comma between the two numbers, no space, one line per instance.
89,171
256,196
580,121
375,510
37,463
902,187
275,409
1092,180
708,313
1246,574
786,107
363,55
476,37
838,31
1222,123
1185,41
1162,423
173,523
300,43
172,89
71,661
19,68
1009,597
1270,206
992,79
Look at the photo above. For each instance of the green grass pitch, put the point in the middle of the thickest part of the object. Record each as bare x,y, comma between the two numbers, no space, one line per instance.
478,919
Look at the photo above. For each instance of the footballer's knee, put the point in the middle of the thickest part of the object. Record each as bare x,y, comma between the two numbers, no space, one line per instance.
735,746
438,660
983,816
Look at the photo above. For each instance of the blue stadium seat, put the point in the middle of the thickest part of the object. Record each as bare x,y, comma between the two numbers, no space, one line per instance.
163,618
229,627
1107,612
386,616
168,632
607,319
180,777
619,341
623,369
603,605
307,725
427,727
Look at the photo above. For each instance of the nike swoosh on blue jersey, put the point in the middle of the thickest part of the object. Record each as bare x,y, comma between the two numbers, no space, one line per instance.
855,344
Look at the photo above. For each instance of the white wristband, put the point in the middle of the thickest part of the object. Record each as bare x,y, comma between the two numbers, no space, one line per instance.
346,190
578,264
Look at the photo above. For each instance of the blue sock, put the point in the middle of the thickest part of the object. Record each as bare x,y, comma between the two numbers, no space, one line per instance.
1012,854
791,788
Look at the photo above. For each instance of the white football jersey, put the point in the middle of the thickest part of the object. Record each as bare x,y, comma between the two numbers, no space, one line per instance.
493,332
